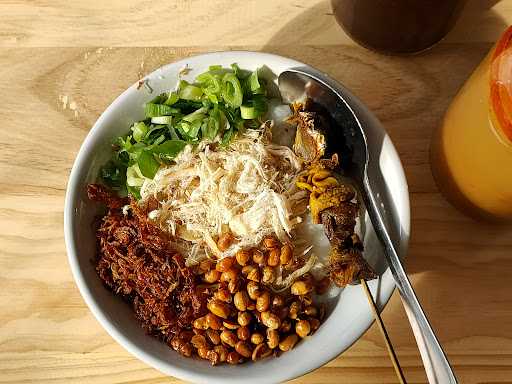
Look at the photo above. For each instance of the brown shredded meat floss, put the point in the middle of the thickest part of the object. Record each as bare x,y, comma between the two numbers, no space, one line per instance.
134,260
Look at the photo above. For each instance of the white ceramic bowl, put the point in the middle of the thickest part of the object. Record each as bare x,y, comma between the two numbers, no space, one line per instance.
350,315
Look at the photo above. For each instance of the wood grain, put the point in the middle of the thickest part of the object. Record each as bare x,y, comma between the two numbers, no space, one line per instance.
459,267
70,23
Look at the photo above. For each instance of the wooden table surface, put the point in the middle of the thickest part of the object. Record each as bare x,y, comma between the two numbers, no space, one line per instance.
61,64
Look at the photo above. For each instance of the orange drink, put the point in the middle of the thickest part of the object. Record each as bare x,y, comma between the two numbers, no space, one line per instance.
471,152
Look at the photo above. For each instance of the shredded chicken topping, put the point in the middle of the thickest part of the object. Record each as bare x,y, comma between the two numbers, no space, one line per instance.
248,188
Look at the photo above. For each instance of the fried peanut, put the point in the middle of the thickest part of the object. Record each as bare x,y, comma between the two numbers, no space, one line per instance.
222,351
288,342
223,294
274,257
219,308
200,323
211,276
257,338
302,328
213,321
213,357
243,257
286,254
229,338
225,264
270,242
199,341
234,358
260,352
294,310
253,290
301,287
202,352
243,333
241,300
258,257
225,241
268,275
270,320
263,302
243,349
272,338
244,318
228,324
213,336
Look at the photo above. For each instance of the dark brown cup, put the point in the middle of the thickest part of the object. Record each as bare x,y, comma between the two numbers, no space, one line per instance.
397,26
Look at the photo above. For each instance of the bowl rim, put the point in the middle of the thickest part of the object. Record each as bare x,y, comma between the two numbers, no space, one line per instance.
72,251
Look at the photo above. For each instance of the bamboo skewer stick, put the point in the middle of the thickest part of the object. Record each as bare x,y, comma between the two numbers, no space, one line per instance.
380,323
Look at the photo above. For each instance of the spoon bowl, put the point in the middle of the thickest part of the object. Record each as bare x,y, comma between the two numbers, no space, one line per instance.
296,84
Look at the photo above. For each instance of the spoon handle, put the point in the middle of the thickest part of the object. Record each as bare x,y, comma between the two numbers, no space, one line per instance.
437,367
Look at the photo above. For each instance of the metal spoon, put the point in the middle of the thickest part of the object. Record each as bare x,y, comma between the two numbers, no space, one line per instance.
295,84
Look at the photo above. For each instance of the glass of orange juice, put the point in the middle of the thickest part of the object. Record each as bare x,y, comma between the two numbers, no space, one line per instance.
471,152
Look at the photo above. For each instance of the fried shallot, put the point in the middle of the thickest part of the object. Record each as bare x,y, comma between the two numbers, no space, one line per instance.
135,261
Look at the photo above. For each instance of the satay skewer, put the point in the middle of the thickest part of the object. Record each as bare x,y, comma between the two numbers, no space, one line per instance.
380,323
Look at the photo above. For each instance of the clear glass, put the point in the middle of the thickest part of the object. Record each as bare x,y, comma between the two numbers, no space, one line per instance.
471,152
397,26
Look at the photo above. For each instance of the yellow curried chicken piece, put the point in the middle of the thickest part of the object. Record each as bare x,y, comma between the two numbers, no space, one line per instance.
323,179
326,191
332,197
316,178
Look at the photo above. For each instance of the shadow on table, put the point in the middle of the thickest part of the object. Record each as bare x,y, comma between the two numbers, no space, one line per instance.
450,256
404,91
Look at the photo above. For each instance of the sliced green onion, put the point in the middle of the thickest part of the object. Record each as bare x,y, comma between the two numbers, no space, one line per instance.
196,115
248,112
147,164
210,83
183,127
139,131
232,90
169,149
172,98
213,98
240,73
236,69
213,124
194,129
253,82
162,120
191,92
134,177
154,110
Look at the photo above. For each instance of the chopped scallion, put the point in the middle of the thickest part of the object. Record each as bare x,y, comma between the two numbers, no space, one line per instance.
139,131
191,92
147,164
154,110
232,90
172,98
248,112
161,120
